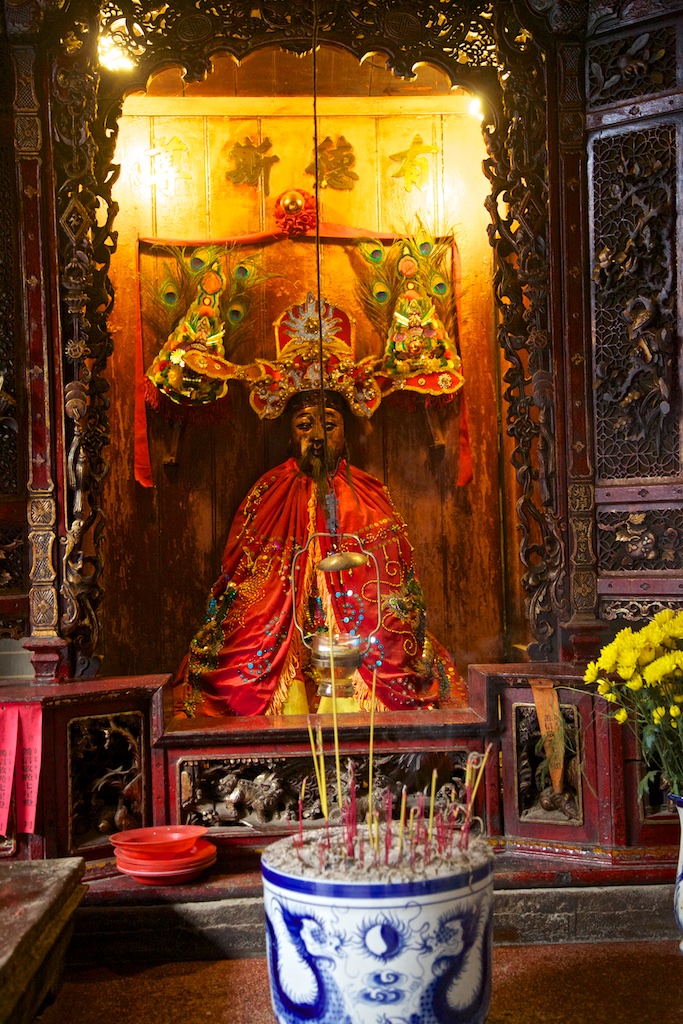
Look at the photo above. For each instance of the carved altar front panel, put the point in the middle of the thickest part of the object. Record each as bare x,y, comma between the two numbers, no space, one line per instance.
270,795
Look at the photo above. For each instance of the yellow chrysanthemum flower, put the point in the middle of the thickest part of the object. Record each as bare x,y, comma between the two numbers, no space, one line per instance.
661,667
636,683
674,711
672,628
646,655
654,634
658,714
608,658
621,716
626,665
604,687
592,672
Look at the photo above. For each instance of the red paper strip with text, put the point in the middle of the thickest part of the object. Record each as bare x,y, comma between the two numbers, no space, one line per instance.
9,716
27,767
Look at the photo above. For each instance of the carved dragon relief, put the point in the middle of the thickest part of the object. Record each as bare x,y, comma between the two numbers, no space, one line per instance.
483,45
106,776
517,171
263,793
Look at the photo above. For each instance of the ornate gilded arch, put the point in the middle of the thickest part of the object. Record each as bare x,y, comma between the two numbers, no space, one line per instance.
497,49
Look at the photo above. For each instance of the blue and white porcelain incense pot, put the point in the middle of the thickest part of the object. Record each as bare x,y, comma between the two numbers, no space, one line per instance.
411,950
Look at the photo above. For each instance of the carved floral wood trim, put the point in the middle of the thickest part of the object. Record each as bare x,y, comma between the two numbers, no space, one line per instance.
473,42
650,540
636,609
639,65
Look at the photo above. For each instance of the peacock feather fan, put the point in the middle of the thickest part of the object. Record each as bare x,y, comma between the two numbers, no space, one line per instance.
243,274
165,304
377,283
168,295
384,271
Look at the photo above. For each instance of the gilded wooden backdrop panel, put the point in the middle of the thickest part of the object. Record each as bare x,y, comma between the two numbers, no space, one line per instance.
180,182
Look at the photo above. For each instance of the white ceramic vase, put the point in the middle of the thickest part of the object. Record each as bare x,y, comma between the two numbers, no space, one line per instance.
678,890
373,952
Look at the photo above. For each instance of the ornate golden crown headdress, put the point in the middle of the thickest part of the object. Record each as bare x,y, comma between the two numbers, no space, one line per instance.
301,332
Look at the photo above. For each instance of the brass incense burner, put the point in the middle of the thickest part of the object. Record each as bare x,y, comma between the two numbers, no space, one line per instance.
335,656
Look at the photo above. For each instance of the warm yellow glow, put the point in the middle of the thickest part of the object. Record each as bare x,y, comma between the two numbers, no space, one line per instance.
475,109
112,56
164,167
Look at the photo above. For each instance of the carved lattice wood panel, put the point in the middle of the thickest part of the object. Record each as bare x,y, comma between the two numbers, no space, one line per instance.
635,609
635,315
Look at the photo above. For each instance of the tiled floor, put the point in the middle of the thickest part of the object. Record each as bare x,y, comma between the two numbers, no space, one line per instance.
583,983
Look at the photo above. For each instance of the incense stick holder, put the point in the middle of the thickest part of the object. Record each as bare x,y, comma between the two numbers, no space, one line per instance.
349,940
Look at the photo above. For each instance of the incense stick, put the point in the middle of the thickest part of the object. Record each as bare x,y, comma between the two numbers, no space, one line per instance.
335,727
480,771
324,777
372,740
431,806
301,810
315,758
402,823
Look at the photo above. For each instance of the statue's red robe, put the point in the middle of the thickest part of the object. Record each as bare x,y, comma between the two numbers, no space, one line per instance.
243,659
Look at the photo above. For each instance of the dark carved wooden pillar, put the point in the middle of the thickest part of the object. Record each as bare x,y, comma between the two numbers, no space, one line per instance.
13,554
37,328
576,606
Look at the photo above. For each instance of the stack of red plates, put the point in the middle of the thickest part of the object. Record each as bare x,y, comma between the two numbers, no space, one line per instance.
163,854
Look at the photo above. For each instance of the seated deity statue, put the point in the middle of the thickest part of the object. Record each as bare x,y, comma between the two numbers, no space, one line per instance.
251,655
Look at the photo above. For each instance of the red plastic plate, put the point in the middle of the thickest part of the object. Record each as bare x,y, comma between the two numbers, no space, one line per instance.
168,840
203,852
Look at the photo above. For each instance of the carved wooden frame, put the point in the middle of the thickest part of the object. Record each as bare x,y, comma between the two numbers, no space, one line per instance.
509,54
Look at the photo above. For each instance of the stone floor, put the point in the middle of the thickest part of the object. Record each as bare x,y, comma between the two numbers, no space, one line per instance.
577,983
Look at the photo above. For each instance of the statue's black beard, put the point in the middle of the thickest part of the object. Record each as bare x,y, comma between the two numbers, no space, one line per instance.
315,467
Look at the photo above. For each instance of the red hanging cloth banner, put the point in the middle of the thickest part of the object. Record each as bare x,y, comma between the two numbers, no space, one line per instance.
9,719
142,462
27,766
465,473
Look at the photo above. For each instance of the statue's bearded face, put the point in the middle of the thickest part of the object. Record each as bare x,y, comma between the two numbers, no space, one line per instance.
309,431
